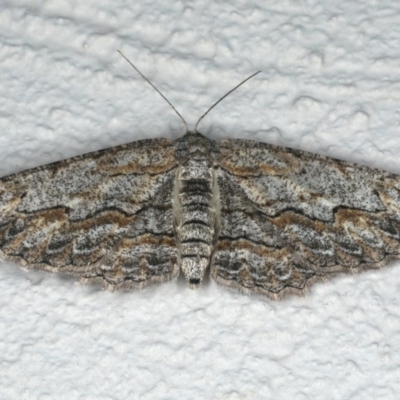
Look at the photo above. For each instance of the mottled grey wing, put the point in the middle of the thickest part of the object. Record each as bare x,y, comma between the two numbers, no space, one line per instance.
289,217
104,216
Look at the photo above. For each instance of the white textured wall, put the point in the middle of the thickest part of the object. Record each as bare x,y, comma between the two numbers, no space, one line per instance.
329,84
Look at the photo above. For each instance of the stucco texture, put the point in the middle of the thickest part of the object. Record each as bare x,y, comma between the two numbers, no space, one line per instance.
329,84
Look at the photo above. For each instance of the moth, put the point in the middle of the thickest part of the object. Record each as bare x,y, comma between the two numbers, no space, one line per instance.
265,219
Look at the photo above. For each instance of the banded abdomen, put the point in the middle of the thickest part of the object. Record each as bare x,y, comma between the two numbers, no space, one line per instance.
195,208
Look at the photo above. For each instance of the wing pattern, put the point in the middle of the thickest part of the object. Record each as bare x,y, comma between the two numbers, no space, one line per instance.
103,216
290,217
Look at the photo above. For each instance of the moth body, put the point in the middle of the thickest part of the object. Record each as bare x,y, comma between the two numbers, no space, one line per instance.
194,207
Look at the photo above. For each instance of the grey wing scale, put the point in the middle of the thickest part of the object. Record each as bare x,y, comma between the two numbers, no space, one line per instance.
104,216
290,217
251,254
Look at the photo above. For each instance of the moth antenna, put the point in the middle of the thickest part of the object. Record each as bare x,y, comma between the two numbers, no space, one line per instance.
227,94
176,111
